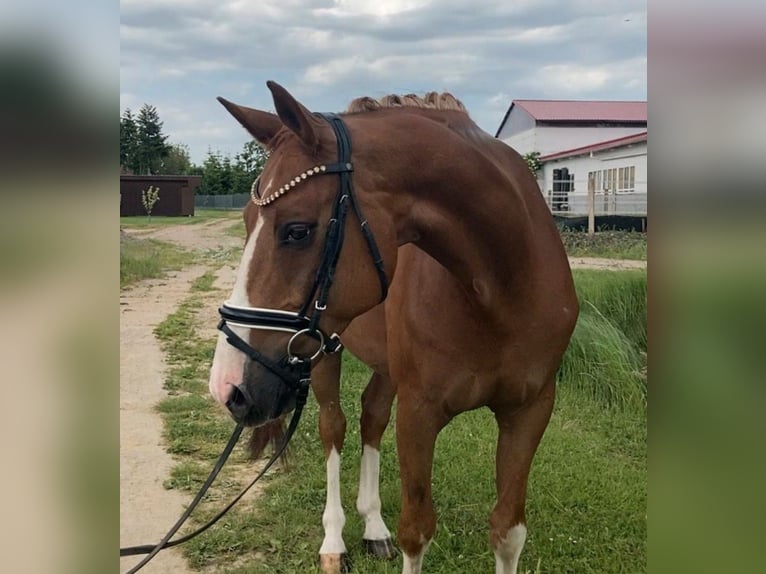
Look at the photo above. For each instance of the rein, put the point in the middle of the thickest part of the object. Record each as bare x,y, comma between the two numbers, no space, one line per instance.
151,550
292,369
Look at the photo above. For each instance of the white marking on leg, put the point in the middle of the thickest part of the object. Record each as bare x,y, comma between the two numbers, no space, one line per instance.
228,362
509,549
333,518
368,500
413,564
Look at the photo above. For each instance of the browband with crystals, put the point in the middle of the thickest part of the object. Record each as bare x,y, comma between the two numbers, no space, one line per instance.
333,168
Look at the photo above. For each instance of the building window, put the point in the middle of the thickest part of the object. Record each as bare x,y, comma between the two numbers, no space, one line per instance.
563,185
614,180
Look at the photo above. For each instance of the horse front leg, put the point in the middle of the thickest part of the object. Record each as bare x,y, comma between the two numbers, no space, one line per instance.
377,399
519,433
325,376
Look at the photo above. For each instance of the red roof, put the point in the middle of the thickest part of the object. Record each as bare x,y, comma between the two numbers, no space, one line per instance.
599,146
616,111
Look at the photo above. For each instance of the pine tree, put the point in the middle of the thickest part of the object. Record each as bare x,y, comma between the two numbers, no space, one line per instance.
212,178
252,158
152,146
128,141
248,166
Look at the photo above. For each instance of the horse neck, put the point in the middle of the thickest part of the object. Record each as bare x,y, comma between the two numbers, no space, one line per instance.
457,200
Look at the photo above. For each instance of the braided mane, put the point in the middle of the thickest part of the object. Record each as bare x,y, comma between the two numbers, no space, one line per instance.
432,100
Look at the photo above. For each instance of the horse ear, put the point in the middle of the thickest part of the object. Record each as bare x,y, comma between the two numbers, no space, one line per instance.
263,126
295,116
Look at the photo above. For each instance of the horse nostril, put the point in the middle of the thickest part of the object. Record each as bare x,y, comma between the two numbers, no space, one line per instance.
237,401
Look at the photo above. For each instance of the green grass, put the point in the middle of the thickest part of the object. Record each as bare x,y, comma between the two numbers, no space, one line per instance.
619,296
587,493
200,216
237,230
204,282
606,358
149,259
605,243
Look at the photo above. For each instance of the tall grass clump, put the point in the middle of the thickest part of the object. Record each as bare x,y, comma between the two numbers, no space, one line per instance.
606,358
619,296
149,259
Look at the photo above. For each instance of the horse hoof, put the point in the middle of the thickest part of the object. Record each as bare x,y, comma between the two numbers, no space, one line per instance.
384,549
335,563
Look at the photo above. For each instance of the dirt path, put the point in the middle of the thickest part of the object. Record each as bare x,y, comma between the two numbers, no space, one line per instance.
206,235
147,509
600,263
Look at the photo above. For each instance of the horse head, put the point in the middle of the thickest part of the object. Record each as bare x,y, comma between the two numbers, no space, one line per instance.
311,263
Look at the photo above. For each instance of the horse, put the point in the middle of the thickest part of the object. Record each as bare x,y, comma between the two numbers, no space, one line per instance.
450,280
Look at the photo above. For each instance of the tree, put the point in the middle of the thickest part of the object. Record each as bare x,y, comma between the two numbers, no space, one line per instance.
177,162
252,158
152,146
212,175
149,197
221,175
128,141
248,166
533,161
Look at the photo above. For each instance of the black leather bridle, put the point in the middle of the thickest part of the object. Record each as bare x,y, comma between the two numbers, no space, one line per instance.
291,368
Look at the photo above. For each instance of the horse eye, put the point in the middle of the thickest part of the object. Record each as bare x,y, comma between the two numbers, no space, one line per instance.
296,233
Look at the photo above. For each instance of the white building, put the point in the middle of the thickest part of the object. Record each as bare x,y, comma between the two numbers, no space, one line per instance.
550,126
614,170
584,145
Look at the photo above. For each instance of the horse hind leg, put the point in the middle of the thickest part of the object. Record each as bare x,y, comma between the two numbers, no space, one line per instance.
325,384
377,399
519,434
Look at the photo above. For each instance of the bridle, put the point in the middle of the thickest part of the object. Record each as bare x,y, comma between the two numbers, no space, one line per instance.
292,368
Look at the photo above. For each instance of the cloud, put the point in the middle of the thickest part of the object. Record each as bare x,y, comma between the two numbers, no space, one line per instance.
572,80
183,53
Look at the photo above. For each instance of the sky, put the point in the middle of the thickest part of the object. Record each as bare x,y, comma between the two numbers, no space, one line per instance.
178,55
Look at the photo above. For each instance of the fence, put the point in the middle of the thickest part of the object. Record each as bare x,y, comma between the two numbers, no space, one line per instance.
604,205
231,201
577,199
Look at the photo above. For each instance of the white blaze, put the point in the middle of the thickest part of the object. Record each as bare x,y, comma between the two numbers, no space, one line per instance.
228,362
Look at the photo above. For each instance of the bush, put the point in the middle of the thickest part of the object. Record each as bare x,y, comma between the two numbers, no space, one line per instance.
605,243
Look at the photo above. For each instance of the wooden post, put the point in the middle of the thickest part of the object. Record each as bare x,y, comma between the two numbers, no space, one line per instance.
591,211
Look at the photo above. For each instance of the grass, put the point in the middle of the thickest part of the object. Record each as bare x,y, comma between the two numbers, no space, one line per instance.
149,259
587,493
605,243
619,297
237,230
200,216
606,358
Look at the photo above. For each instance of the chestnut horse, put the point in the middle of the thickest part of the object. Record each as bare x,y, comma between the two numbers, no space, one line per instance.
478,309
